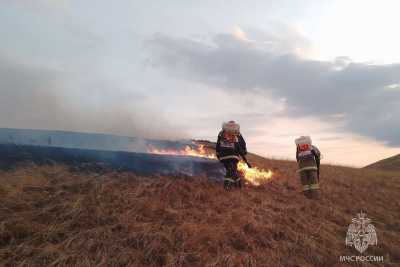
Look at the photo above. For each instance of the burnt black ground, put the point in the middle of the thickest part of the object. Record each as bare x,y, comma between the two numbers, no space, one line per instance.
138,163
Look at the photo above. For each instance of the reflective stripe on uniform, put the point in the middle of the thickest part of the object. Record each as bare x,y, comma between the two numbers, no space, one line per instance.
306,187
229,179
232,180
314,186
229,157
308,169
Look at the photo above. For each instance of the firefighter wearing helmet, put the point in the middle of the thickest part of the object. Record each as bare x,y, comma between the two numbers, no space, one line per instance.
308,159
230,146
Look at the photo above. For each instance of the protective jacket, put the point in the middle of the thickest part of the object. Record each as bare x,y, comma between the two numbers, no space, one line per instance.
229,148
308,159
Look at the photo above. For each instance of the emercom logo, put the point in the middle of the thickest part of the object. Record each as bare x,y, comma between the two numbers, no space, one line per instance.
361,234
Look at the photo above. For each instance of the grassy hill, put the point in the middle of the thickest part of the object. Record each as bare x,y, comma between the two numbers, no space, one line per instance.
53,215
389,164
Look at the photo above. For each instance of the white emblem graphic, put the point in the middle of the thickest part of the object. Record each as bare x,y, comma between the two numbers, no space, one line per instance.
361,233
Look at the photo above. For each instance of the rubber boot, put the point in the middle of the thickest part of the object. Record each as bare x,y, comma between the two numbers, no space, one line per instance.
227,185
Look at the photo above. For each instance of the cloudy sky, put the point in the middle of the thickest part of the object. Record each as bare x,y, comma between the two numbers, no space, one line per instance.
179,68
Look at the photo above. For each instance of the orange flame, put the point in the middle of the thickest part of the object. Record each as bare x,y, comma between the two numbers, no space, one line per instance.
200,151
252,175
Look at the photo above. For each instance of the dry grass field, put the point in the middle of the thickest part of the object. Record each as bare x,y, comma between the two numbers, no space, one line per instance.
389,164
54,215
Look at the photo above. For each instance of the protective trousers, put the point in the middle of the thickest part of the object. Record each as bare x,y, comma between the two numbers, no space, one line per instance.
309,180
232,176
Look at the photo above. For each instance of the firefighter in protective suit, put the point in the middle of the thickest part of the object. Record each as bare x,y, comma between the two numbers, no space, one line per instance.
230,146
308,159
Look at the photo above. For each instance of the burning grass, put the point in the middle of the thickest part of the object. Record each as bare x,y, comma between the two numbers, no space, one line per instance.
55,216
254,176
194,151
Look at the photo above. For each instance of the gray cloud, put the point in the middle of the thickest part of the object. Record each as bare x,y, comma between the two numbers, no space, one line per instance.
354,92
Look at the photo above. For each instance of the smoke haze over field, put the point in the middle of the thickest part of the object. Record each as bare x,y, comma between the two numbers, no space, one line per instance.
178,69
39,98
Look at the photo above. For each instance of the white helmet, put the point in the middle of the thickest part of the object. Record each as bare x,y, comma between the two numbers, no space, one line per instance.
231,127
303,140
